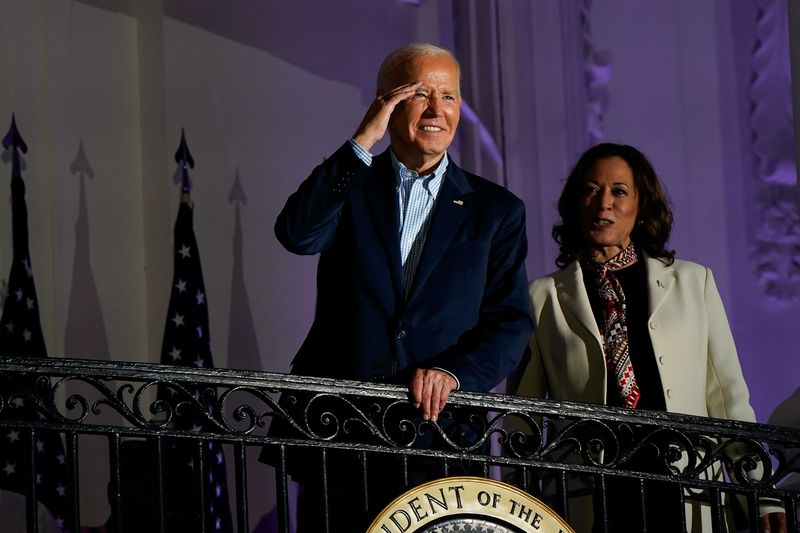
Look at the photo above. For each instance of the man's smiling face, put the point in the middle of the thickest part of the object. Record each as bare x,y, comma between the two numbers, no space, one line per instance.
422,127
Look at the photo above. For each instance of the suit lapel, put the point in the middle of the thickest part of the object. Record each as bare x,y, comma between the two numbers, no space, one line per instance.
380,195
453,205
572,293
660,280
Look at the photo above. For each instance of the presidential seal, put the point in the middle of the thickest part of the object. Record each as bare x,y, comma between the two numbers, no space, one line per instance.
468,504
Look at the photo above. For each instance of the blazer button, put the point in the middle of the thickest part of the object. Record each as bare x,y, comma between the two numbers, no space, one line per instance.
669,393
662,360
401,334
653,325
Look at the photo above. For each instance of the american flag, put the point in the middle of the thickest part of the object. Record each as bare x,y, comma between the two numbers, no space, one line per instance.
21,335
187,343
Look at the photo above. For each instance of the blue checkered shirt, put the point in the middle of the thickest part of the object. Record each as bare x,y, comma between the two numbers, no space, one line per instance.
416,196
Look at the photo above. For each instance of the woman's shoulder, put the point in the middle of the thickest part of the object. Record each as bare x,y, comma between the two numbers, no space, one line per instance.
681,266
554,279
687,273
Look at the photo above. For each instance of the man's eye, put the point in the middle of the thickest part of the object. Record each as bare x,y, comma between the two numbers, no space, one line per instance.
419,94
450,97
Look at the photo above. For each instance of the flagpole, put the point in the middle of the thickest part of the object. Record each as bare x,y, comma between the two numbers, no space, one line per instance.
184,158
21,335
186,342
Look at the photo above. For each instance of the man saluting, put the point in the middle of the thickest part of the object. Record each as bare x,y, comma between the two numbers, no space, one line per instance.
421,277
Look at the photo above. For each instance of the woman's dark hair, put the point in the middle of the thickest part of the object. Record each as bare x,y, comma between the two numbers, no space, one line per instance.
654,220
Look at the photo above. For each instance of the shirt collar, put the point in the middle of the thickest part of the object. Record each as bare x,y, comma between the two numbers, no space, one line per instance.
401,172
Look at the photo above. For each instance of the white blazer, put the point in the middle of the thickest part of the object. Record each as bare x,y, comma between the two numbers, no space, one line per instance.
692,342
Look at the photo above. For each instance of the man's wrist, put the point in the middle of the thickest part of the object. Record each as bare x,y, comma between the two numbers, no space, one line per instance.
440,369
362,153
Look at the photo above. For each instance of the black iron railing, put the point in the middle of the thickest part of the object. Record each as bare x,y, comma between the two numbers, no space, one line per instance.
572,456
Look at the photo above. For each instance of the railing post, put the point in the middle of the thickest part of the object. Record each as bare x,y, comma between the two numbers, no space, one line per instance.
240,464
31,507
73,477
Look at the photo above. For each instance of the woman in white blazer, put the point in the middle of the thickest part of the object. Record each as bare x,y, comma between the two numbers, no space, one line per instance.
620,291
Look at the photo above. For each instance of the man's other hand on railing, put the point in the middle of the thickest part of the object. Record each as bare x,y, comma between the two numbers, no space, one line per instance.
430,389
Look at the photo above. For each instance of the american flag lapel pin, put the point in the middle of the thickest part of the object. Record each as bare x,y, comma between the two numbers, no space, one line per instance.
660,283
458,202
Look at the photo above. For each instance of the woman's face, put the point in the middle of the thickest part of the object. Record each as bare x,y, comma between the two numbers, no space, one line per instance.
609,205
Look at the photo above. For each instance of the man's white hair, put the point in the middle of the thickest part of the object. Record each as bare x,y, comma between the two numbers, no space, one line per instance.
405,54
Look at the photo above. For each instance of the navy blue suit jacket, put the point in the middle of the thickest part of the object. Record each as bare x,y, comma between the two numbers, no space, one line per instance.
468,311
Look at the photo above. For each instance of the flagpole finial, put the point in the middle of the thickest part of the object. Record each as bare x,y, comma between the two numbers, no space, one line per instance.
13,139
184,158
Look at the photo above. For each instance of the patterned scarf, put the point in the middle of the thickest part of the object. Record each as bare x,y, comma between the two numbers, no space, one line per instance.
615,327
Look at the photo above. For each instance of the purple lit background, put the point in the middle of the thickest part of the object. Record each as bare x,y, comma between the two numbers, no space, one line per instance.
265,90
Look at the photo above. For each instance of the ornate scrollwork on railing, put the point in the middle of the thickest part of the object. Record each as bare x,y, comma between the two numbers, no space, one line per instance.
381,421
520,434
688,454
71,395
113,399
247,413
332,416
26,397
